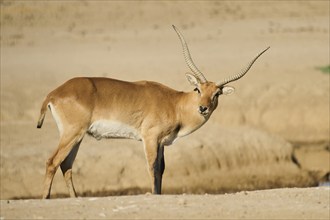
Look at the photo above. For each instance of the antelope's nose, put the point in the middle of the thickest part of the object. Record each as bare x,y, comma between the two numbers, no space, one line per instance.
202,109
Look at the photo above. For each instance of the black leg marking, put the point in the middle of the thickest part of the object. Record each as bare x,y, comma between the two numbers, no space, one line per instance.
159,168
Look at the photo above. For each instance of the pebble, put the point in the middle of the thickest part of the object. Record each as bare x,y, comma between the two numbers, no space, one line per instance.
102,214
182,201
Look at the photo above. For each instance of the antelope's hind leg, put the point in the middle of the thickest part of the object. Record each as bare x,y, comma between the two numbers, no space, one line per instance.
65,153
66,167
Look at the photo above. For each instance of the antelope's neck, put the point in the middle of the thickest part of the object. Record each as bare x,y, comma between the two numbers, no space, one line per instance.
189,117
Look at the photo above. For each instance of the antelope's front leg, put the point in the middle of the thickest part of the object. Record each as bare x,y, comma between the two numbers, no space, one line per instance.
156,163
159,167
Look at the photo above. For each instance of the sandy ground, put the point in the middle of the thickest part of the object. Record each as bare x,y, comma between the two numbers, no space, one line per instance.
309,203
273,132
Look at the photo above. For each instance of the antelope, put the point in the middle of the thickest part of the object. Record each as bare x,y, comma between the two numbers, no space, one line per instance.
145,111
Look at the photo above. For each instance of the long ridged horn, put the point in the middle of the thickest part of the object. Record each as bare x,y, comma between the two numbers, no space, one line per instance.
243,71
188,58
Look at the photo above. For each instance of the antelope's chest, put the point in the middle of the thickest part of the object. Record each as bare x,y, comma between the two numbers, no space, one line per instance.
113,129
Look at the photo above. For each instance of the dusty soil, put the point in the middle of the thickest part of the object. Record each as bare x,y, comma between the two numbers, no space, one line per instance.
295,203
272,132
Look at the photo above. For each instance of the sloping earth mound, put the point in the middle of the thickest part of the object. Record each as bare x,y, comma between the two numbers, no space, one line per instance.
213,160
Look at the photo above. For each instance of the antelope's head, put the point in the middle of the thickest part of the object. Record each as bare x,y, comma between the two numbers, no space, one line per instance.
208,92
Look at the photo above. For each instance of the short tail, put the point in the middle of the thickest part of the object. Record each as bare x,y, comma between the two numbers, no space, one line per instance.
42,113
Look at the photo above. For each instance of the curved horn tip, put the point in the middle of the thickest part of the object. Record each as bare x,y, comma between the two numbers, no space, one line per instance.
264,51
240,75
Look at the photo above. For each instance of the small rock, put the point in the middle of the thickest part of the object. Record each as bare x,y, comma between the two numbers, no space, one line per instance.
102,214
182,201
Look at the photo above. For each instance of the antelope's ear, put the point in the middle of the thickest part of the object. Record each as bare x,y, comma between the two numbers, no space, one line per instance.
192,79
227,90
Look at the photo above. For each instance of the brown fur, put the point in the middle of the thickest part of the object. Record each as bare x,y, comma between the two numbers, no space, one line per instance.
159,113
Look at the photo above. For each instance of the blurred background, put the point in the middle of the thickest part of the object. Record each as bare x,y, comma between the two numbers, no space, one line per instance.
272,132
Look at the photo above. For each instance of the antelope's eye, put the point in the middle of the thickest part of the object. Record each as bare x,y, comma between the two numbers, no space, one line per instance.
196,89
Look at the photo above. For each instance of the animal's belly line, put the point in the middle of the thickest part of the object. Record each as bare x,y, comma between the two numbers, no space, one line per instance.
113,129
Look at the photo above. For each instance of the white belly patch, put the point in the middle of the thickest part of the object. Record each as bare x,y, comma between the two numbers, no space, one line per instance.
112,129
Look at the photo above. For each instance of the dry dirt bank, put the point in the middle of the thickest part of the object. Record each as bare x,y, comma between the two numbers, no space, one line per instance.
295,203
237,159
